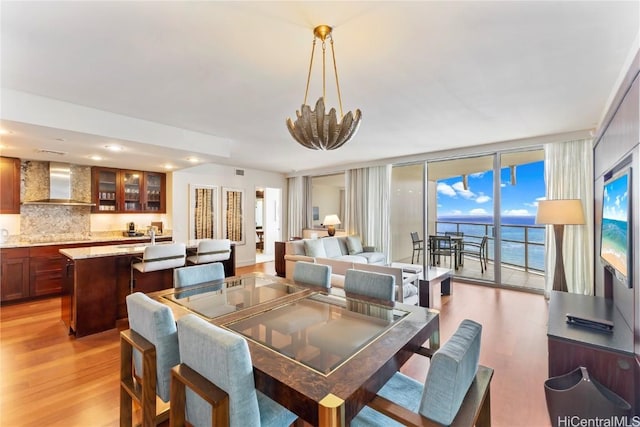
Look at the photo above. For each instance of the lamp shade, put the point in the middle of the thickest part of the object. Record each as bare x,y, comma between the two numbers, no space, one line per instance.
567,211
331,220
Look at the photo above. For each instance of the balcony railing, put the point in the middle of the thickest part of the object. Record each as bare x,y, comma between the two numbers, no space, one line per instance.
522,245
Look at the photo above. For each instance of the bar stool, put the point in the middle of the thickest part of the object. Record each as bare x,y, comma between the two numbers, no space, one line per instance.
158,257
211,250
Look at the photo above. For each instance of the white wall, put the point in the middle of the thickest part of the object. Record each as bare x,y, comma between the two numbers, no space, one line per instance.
327,199
223,176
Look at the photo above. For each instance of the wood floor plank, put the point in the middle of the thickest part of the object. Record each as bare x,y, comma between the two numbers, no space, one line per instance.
52,379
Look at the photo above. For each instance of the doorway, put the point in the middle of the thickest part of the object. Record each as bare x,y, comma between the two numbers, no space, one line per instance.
268,220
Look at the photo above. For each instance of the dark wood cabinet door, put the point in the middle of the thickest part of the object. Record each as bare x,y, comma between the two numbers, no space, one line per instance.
14,281
154,192
105,188
9,185
46,273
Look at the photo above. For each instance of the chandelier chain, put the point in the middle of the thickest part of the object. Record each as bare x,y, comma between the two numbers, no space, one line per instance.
306,91
324,86
335,70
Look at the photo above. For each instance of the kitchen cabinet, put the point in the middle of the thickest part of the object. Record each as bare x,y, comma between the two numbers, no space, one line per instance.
37,271
45,270
14,279
9,185
105,189
120,191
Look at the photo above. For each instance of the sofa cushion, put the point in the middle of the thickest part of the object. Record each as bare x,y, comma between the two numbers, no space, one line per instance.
373,257
342,241
314,248
332,247
356,259
354,244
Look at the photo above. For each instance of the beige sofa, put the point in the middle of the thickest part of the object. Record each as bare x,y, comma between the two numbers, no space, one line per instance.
341,260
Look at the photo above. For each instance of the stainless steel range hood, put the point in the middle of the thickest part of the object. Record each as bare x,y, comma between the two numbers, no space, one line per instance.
59,188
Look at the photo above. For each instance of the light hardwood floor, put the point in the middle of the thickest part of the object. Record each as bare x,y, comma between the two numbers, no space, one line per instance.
51,379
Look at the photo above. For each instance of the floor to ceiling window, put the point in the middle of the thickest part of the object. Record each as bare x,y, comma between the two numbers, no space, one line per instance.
490,202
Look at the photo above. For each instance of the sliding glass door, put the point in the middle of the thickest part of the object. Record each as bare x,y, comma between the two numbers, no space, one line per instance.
464,204
490,203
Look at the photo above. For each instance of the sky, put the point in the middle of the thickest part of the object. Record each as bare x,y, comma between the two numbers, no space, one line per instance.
616,203
520,199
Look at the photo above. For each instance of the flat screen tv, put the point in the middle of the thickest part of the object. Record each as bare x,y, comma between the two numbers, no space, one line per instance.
615,243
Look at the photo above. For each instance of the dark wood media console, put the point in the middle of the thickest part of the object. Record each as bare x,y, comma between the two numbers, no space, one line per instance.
608,356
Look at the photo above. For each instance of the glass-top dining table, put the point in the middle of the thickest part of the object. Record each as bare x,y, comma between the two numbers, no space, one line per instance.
322,356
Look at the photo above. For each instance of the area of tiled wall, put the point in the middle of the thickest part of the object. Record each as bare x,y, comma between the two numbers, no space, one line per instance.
53,222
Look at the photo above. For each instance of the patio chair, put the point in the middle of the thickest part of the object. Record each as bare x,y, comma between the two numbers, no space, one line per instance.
475,249
418,246
442,246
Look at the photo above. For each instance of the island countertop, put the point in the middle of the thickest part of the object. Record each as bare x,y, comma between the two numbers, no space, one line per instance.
28,243
116,250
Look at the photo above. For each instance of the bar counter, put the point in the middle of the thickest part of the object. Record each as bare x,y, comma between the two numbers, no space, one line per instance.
96,283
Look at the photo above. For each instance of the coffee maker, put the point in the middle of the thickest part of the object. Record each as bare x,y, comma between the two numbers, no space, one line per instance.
132,229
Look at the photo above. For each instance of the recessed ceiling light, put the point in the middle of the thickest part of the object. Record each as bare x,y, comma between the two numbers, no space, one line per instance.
114,147
193,159
6,132
168,166
95,157
60,139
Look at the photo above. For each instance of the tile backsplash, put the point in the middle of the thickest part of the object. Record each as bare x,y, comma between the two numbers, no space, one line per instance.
53,222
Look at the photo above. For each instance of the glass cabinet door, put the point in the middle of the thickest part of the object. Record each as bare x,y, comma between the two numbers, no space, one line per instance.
107,185
153,186
131,186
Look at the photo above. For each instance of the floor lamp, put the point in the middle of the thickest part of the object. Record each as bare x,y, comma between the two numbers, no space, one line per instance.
560,213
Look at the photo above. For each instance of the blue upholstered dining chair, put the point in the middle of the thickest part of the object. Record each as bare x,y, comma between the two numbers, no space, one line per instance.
312,274
196,274
218,360
451,374
378,286
151,346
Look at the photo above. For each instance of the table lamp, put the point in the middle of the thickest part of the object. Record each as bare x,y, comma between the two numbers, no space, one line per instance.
331,221
560,213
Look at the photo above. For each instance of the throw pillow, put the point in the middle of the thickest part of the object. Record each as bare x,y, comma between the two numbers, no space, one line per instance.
354,244
314,248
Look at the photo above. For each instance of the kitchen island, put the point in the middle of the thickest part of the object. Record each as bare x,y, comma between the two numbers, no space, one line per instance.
96,283
32,267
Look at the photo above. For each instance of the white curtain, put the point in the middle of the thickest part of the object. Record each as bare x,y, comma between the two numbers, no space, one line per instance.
368,206
299,210
569,175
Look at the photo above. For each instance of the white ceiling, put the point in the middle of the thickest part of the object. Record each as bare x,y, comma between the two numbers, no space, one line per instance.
217,80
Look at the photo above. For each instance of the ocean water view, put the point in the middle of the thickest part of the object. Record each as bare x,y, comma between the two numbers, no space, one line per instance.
614,243
521,236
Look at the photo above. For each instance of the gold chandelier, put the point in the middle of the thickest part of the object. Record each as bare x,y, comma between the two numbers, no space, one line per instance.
313,128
